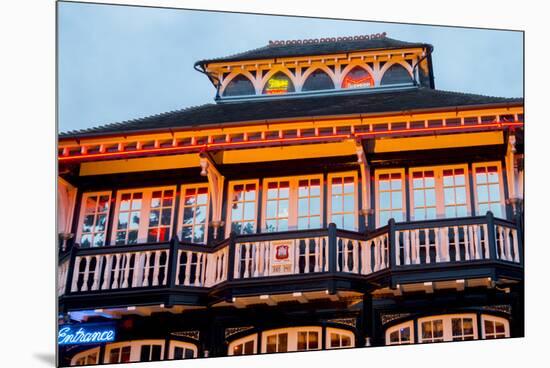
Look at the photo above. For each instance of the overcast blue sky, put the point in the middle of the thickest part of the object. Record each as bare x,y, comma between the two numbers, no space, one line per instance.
119,62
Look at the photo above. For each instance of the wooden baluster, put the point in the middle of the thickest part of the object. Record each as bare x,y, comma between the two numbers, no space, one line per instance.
516,245
138,267
76,268
246,263
317,255
427,245
118,261
472,241
156,268
256,257
107,273
406,247
385,250
267,246
446,244
466,243
376,254
261,258
178,267
382,253
197,282
307,254
237,268
345,266
218,267
355,256
204,275
508,245
97,273
398,248
437,243
188,263
127,258
477,232
297,257
486,241
86,274
456,243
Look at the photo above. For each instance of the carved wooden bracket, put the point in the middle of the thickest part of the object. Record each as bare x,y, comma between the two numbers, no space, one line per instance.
365,180
215,186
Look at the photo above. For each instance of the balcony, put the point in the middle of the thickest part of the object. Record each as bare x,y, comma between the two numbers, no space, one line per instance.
328,260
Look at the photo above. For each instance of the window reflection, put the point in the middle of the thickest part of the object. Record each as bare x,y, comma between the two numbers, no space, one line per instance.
488,190
343,202
243,208
195,209
390,198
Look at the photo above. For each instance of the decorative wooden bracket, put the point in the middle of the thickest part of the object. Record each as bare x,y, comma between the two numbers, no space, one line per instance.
365,180
215,186
512,173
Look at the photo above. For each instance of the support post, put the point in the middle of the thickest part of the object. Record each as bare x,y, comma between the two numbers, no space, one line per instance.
392,243
491,236
231,258
173,262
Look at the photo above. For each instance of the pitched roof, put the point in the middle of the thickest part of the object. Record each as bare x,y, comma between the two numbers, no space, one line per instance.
286,108
321,48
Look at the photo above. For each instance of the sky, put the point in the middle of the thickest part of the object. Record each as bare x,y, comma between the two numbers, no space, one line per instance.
119,62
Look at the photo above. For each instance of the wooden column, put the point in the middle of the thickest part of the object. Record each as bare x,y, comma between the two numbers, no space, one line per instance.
215,186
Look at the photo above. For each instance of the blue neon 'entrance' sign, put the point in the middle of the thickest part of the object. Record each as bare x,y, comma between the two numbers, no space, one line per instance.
88,333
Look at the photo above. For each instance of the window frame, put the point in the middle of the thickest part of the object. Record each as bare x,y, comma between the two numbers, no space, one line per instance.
135,349
85,354
181,208
493,319
293,199
377,174
82,211
501,185
292,337
447,325
173,344
229,202
242,341
398,328
439,189
145,211
356,189
341,332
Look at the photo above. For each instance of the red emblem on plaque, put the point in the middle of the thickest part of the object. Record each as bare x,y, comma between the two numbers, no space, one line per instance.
281,252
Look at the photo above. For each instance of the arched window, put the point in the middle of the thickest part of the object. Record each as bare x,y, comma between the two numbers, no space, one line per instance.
318,80
358,78
396,74
239,86
279,83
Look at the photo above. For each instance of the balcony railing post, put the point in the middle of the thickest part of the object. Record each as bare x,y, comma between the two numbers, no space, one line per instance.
173,262
392,244
332,248
70,270
491,236
231,258
519,229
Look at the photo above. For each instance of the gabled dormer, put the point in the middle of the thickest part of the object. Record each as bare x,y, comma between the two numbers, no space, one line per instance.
295,68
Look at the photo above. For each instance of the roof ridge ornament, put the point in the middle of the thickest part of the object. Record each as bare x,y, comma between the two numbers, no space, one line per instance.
372,36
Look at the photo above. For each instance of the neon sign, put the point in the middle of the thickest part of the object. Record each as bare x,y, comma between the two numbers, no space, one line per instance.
90,333
275,86
357,82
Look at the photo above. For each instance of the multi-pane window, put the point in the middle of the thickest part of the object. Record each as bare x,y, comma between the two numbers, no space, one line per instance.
144,216
400,334
462,328
494,327
277,343
424,196
292,203
120,354
439,192
150,353
86,358
390,197
194,213
488,189
182,350
243,346
308,340
309,203
432,331
338,340
343,201
94,217
277,205
183,353
454,193
242,210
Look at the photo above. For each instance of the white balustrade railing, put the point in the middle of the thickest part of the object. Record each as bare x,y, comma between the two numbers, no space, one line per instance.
281,257
120,270
362,256
440,244
62,273
202,268
506,243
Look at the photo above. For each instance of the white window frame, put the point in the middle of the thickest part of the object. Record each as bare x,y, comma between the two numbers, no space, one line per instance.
377,174
231,185
398,328
501,185
293,198
439,188
85,354
83,211
242,341
135,349
144,212
490,318
447,325
341,332
292,342
181,344
182,205
355,196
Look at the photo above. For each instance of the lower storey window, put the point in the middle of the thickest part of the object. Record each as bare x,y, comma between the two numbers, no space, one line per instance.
243,346
400,334
182,350
494,327
86,357
134,351
337,338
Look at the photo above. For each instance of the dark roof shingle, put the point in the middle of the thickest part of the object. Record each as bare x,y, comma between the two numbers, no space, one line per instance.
303,107
322,48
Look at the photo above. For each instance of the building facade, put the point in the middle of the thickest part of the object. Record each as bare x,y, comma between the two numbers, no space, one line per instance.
330,198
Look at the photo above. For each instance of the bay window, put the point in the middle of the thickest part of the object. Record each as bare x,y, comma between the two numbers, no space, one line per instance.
144,215
343,202
292,203
193,213
94,216
489,189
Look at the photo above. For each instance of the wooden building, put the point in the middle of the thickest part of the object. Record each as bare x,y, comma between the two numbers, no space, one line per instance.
330,198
